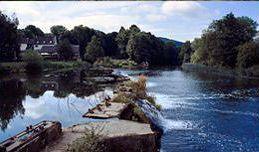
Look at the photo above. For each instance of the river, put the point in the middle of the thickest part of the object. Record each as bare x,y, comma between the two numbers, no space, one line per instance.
205,112
202,112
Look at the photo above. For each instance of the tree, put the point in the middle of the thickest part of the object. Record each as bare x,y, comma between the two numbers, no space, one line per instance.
185,52
58,30
222,38
170,54
82,35
9,46
112,47
248,55
145,47
122,41
33,60
200,55
65,50
94,50
32,31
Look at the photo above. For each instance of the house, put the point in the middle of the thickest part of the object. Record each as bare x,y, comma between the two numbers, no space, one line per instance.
46,46
38,42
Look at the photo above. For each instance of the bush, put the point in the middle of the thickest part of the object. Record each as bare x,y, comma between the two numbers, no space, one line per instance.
138,89
34,61
115,63
90,142
248,55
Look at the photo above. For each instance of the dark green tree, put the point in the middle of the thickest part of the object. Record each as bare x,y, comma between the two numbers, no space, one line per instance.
112,47
122,41
170,54
9,46
32,31
94,50
82,35
185,52
58,30
223,36
248,55
65,50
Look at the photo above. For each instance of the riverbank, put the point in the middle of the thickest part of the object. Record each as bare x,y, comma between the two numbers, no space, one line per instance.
47,66
137,127
251,73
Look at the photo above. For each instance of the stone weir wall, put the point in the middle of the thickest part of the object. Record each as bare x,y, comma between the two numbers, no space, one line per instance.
119,127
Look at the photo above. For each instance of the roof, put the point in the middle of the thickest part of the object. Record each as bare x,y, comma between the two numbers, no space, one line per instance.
54,49
48,49
47,39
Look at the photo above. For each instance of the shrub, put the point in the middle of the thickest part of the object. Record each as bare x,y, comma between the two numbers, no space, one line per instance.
116,63
139,89
248,55
90,142
34,61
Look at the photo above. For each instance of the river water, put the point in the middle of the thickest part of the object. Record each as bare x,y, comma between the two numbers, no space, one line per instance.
205,112
202,112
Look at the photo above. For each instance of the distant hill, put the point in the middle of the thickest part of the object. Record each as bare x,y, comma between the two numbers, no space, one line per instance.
177,43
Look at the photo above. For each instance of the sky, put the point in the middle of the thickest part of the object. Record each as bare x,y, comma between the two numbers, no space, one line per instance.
171,19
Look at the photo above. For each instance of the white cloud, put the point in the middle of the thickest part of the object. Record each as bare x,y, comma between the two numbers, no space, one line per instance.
160,18
185,9
156,17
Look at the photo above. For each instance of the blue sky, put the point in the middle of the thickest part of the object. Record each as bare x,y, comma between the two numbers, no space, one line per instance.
177,20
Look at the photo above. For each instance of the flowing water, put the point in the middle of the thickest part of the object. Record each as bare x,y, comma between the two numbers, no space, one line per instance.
202,112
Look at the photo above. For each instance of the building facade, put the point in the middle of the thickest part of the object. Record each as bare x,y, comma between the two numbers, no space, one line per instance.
46,46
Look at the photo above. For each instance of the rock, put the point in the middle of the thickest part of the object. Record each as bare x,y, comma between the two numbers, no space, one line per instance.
117,136
102,111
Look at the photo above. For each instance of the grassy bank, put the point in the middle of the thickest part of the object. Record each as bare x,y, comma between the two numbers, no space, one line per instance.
251,73
20,67
115,63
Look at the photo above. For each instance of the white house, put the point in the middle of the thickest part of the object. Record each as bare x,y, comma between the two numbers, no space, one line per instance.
38,43
46,46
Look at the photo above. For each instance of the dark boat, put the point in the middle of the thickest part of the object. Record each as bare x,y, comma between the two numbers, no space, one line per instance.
33,138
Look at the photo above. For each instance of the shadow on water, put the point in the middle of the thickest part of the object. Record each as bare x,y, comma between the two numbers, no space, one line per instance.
62,96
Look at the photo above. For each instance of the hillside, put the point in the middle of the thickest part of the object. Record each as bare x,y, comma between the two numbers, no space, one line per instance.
177,43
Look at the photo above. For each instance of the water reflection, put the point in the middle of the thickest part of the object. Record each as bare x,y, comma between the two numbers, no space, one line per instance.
12,93
28,99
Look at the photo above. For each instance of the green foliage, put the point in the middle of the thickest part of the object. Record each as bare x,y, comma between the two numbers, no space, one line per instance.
12,67
219,42
200,55
58,30
138,91
122,41
248,55
115,63
94,50
90,142
33,60
65,50
9,46
32,31
185,52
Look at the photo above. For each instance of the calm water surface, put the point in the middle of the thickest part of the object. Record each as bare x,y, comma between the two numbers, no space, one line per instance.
202,113
63,97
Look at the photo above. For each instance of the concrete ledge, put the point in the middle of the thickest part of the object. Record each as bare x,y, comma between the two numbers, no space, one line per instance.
118,135
103,111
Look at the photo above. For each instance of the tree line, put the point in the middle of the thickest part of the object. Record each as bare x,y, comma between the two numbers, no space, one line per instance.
131,43
227,42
